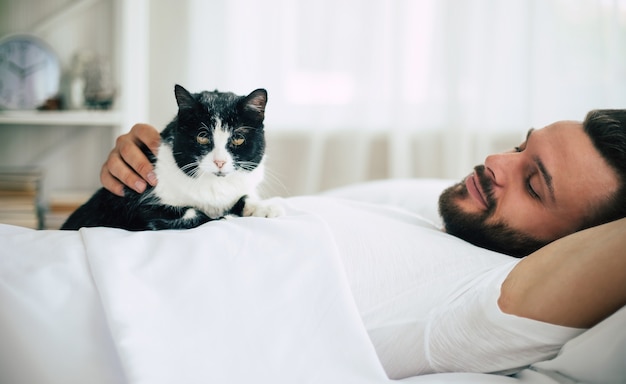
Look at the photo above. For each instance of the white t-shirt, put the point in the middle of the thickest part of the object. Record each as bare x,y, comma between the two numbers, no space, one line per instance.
427,299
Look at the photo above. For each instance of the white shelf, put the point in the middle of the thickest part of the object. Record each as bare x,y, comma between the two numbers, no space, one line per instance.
61,118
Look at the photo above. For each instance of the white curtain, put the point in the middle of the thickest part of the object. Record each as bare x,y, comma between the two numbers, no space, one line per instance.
415,64
443,80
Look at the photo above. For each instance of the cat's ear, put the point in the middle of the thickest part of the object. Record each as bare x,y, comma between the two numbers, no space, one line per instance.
253,105
184,98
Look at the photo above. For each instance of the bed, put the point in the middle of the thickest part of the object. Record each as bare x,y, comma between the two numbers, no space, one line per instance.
242,300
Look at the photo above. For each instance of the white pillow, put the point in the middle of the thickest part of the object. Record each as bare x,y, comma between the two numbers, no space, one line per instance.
415,195
596,356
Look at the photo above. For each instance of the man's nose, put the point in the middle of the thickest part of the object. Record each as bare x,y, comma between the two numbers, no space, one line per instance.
501,167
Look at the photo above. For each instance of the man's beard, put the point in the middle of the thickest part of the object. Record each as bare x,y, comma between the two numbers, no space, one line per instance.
475,228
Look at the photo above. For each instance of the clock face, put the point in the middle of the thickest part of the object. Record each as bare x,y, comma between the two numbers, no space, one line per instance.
29,72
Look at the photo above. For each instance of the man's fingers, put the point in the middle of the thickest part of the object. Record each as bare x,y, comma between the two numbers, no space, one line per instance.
130,155
148,136
141,135
127,163
116,173
111,183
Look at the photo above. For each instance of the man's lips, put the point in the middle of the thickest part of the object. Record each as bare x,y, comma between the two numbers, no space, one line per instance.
474,189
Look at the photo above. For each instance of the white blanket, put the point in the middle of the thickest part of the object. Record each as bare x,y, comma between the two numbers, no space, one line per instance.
244,300
235,301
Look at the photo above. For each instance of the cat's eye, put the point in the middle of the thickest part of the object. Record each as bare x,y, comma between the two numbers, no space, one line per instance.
202,138
237,141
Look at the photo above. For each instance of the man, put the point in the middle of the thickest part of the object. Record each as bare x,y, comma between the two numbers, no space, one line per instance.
565,178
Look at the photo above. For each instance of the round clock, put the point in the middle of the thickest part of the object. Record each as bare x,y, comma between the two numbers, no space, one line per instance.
30,72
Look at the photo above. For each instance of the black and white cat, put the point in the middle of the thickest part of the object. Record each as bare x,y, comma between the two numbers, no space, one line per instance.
208,166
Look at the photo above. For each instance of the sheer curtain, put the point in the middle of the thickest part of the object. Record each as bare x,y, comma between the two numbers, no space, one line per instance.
456,67
476,64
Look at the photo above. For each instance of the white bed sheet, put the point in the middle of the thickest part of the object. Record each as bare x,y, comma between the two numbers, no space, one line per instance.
235,301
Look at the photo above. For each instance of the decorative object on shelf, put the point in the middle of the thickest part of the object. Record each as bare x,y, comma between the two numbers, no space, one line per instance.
30,72
98,84
75,86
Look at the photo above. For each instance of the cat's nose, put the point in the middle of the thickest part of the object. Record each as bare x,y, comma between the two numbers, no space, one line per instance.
219,163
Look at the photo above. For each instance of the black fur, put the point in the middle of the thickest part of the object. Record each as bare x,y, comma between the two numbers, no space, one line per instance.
197,115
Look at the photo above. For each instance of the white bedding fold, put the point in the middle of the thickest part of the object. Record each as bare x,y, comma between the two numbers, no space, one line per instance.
52,327
257,301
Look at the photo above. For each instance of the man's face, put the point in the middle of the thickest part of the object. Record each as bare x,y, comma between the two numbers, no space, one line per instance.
521,200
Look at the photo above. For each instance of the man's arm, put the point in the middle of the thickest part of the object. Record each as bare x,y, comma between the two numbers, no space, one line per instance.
576,281
127,164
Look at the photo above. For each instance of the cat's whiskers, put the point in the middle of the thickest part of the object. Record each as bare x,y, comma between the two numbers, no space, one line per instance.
194,166
204,128
273,184
274,181
247,165
198,173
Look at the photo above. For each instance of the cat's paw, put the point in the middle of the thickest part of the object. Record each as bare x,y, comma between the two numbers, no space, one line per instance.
261,208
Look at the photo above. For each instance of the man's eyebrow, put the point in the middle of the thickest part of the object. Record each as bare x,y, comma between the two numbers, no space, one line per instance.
547,177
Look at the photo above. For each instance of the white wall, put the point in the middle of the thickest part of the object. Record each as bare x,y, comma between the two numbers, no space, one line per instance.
169,48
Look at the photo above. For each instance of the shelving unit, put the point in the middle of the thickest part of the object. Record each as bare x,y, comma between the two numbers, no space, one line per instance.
61,118
69,146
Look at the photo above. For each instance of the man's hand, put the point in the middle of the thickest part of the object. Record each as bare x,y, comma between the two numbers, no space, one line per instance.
127,164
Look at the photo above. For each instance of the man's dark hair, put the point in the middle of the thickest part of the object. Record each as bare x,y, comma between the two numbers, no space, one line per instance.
607,130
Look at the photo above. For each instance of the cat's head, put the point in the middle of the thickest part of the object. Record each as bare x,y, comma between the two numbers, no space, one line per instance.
217,133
